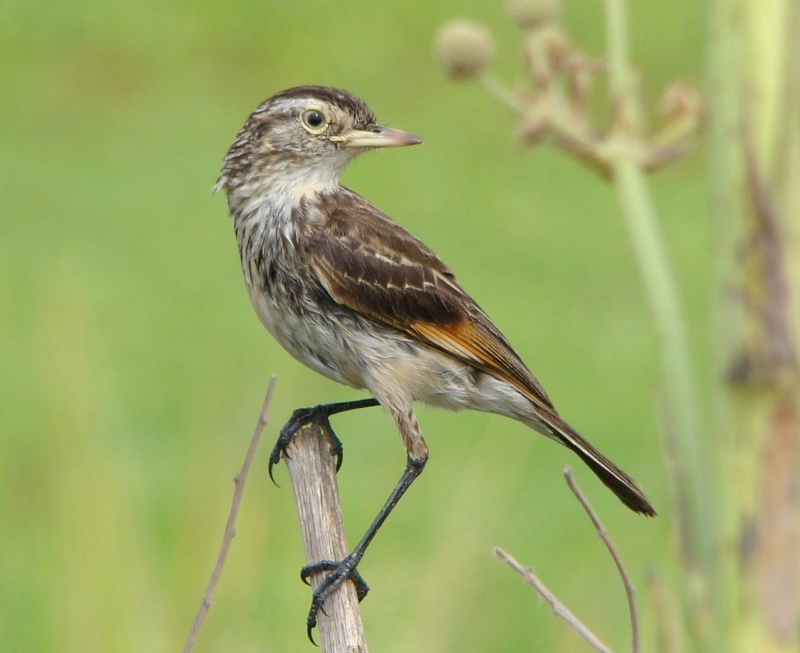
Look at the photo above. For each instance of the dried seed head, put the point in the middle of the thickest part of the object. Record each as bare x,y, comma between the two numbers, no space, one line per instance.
465,48
680,100
580,72
528,14
546,51
557,45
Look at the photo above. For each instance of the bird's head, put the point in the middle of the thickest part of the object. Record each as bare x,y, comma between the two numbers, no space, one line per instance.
301,139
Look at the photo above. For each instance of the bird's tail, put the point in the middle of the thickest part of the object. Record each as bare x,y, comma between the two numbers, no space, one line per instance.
612,476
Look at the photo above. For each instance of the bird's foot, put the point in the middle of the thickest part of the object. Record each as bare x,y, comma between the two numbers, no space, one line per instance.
301,417
338,573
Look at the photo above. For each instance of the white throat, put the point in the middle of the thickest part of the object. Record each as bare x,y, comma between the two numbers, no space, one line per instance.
284,184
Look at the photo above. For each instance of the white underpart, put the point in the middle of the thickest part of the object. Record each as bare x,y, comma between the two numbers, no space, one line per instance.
289,183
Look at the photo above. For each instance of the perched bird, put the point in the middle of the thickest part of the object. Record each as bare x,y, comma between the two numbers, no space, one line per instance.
352,294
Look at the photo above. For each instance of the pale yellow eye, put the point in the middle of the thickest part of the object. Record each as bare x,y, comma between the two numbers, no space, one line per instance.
314,121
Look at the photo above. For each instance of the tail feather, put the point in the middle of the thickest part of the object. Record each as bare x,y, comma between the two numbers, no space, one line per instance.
612,476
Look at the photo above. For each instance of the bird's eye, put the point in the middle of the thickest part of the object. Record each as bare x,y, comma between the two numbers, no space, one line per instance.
313,120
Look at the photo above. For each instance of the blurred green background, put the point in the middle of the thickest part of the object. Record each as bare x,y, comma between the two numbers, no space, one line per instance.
132,367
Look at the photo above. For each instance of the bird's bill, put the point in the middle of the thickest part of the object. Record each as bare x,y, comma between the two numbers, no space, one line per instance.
377,136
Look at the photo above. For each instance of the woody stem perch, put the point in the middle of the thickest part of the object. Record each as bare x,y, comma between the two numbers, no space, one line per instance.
313,473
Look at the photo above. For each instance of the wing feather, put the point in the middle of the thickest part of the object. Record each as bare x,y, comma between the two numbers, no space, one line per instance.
371,264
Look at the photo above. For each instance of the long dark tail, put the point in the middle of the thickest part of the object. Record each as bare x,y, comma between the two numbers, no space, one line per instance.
612,476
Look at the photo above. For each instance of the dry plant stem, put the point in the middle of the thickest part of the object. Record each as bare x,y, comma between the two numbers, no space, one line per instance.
503,95
601,531
690,469
559,609
755,110
230,525
313,473
680,387
561,129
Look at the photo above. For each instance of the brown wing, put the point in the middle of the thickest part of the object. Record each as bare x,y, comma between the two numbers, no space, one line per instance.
371,264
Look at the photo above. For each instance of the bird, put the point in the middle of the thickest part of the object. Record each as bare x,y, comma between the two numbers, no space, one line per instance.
352,294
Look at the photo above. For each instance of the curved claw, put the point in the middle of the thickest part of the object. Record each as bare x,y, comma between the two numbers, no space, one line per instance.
274,459
338,573
311,621
320,414
336,449
271,477
300,417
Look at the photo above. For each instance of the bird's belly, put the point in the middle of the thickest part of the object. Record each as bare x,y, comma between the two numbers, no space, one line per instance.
407,368
309,337
352,350
348,348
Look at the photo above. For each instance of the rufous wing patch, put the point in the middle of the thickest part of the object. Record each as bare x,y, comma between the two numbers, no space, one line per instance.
473,344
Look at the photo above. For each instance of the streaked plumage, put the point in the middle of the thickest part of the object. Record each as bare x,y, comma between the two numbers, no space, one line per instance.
352,294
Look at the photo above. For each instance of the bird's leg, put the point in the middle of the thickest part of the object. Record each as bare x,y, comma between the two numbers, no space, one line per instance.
315,415
338,572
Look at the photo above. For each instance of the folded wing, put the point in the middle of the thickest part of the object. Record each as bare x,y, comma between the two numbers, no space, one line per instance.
371,264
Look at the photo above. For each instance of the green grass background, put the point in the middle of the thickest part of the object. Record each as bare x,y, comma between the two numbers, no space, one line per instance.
132,367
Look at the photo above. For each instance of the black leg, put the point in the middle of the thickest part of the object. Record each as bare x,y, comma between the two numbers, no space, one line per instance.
314,415
345,569
362,589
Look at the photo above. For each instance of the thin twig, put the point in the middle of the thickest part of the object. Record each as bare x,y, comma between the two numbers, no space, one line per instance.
559,609
230,530
501,93
601,531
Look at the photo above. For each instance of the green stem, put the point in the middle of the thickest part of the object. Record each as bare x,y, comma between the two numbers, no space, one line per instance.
501,93
643,230
617,48
691,469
